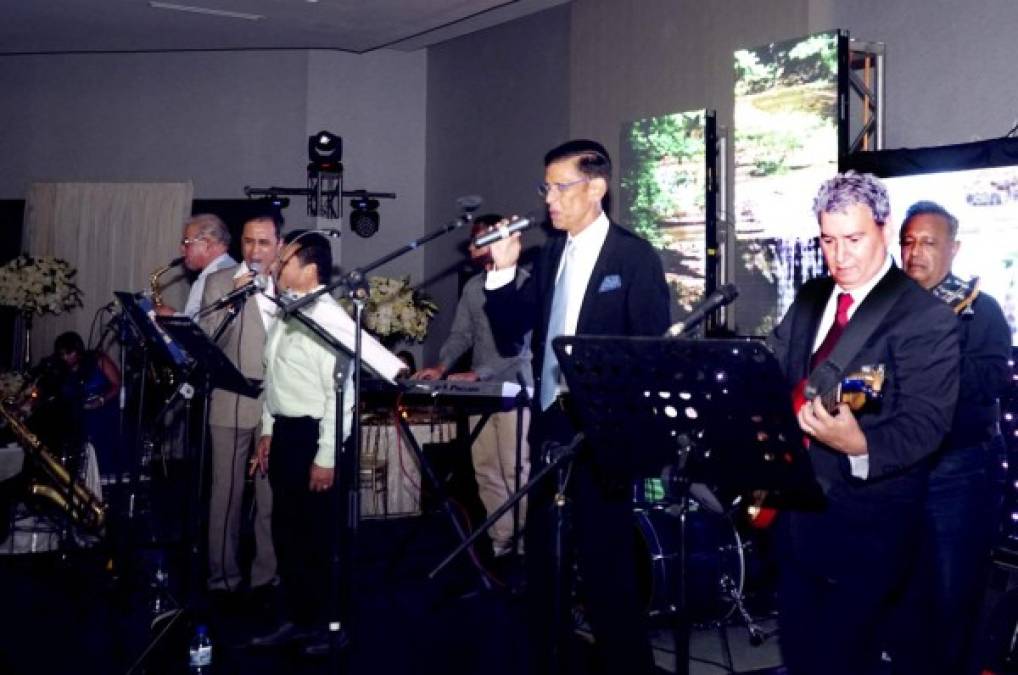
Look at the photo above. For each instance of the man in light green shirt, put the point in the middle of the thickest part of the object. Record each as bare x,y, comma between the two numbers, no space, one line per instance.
298,443
298,434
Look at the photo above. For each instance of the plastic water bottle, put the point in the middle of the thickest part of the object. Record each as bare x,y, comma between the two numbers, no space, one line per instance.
200,652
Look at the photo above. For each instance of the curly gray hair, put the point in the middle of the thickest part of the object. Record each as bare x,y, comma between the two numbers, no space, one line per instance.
846,189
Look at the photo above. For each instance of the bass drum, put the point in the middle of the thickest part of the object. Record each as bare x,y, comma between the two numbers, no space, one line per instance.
715,565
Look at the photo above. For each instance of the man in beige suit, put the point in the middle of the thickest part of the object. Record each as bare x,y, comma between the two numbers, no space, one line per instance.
234,420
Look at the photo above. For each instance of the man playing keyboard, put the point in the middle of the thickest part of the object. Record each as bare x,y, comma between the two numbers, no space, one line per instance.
494,451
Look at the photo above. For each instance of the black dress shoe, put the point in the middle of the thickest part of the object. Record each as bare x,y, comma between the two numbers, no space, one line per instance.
320,641
286,633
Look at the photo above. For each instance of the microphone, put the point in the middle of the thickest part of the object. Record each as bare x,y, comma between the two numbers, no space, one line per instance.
722,296
259,283
507,230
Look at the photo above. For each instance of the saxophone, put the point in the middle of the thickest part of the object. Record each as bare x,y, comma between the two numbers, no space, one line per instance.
153,281
83,507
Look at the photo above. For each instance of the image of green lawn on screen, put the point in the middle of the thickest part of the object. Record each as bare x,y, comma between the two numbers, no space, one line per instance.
786,145
663,194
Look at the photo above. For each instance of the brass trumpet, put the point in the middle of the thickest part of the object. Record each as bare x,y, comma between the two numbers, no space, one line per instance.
84,507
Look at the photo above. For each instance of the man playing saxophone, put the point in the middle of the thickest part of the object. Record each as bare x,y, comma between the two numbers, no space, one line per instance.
204,248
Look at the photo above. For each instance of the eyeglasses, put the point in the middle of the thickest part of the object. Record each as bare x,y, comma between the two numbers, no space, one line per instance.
187,241
544,189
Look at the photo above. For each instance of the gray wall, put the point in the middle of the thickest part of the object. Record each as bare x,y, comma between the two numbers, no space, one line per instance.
219,119
668,56
376,102
950,65
222,120
497,101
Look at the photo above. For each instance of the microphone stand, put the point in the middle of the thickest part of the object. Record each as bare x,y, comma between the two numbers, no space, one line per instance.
347,499
354,280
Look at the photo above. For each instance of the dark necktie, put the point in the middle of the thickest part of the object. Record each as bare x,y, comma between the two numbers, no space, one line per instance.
837,328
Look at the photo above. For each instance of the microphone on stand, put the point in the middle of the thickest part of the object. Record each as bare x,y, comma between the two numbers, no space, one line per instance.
505,231
259,283
722,296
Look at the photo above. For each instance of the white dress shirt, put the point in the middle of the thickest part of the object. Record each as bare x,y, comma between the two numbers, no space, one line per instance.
198,287
860,464
266,308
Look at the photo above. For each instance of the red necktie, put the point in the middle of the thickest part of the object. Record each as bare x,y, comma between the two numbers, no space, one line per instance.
837,328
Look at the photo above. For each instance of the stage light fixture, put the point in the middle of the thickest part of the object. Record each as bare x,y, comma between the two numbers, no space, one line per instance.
364,216
325,151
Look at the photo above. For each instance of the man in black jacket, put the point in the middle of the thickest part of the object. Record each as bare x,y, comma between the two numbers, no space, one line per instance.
841,564
963,500
595,279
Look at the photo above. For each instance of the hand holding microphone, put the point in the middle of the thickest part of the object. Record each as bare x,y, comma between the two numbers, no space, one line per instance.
504,239
254,270
255,284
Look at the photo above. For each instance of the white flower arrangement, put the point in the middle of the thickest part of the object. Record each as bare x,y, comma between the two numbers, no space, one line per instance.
43,285
395,309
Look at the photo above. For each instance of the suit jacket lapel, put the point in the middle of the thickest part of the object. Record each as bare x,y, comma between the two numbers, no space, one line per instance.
604,260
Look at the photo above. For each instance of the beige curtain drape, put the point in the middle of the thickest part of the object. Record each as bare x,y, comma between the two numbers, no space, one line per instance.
114,234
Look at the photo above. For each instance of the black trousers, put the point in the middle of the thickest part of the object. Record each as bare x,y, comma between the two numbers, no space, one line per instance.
601,529
839,575
301,521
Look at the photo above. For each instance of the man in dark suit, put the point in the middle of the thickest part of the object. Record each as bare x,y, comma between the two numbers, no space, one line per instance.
596,278
841,563
963,497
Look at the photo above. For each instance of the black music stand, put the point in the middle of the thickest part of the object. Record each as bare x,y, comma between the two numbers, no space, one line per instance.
716,411
153,337
212,370
156,347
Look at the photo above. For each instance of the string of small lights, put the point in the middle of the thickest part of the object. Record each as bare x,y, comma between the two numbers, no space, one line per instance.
1007,544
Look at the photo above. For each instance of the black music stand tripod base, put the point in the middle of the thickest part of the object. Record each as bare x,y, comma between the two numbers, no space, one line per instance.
716,411
213,370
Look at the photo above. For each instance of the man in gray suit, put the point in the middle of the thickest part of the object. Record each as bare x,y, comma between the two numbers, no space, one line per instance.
234,420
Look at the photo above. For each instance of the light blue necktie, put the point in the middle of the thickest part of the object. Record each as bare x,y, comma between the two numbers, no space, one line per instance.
550,372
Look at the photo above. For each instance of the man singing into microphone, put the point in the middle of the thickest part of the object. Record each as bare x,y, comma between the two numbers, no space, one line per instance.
233,419
594,278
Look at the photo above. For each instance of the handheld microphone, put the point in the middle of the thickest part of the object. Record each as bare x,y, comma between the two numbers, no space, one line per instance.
722,296
259,283
505,231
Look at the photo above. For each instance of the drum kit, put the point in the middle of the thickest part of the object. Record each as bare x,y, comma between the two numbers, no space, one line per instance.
719,558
